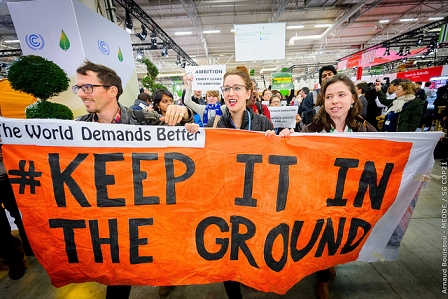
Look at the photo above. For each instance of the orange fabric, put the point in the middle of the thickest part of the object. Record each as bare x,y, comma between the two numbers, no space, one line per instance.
13,102
169,233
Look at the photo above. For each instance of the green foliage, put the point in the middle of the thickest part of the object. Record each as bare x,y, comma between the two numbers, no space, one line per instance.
48,110
37,76
149,81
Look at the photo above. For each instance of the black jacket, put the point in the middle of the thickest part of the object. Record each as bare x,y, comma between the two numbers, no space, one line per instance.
257,122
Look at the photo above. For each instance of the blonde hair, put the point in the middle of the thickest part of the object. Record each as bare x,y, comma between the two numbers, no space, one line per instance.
212,93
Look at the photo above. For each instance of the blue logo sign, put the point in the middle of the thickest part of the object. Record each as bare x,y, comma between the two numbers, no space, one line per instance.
104,47
35,42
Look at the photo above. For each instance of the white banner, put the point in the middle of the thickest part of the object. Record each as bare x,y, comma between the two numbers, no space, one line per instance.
283,116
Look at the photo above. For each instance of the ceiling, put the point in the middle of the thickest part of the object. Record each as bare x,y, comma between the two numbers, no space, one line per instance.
355,26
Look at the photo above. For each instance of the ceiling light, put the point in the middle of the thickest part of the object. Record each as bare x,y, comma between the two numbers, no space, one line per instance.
295,27
128,22
11,41
178,60
387,52
384,21
182,65
164,51
211,31
322,25
407,51
232,30
400,52
420,40
153,41
182,33
435,18
142,35
408,20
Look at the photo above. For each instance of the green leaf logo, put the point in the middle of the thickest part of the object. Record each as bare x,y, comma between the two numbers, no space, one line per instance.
64,43
120,55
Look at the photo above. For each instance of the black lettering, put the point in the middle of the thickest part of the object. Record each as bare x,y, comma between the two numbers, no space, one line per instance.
344,165
135,241
328,237
239,240
171,180
368,179
112,241
65,177
200,243
283,179
297,254
355,223
250,160
102,180
281,230
139,176
68,227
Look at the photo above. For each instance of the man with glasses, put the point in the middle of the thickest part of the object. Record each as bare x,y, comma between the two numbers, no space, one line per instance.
99,87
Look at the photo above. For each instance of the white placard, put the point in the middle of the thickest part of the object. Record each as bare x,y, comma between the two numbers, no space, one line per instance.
207,77
53,132
283,116
264,41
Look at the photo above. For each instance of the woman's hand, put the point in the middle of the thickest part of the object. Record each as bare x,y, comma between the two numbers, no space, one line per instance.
285,133
188,80
269,133
192,127
174,114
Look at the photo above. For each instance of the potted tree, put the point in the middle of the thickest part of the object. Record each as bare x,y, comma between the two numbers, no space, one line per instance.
43,79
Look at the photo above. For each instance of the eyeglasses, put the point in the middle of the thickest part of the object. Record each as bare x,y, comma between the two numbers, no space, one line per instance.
86,88
236,88
268,94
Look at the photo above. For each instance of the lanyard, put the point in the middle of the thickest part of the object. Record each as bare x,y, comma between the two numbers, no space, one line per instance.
248,116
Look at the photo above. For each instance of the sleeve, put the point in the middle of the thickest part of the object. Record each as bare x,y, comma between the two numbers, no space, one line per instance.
416,115
199,109
307,104
382,98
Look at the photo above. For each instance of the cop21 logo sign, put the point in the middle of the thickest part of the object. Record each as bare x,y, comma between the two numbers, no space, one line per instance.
104,47
35,42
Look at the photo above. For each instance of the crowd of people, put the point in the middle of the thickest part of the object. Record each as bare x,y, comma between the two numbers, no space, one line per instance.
338,106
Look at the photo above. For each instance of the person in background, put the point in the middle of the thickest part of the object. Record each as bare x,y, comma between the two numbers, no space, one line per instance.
99,88
361,90
266,95
196,97
275,100
340,114
404,113
419,92
428,91
255,104
310,101
205,112
143,101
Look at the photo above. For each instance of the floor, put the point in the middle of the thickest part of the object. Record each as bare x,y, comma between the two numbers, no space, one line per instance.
416,274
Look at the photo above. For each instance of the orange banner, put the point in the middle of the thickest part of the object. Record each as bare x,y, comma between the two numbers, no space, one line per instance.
263,211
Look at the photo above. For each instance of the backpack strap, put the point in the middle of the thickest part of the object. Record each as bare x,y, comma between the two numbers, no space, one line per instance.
259,108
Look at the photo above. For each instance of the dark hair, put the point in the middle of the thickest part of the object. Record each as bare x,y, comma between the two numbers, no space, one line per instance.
418,82
264,91
326,68
243,73
144,97
274,96
322,114
306,90
396,81
106,75
362,86
428,84
157,97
